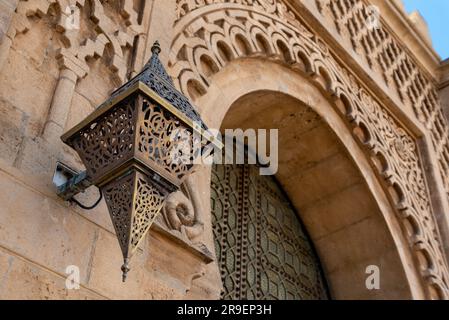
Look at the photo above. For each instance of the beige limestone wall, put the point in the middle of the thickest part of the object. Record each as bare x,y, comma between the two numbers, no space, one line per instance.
7,8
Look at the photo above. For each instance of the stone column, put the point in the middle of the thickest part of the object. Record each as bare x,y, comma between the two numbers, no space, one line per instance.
60,106
142,39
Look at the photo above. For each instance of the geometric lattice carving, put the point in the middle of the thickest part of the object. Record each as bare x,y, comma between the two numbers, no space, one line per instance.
262,249
209,39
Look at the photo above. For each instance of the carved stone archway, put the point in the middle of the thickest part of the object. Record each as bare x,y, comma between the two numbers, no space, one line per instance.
208,40
363,229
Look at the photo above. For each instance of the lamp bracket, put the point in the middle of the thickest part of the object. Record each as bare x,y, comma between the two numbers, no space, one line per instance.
69,182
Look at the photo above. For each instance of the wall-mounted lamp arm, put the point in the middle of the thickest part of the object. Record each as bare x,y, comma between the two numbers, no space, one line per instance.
69,183
82,206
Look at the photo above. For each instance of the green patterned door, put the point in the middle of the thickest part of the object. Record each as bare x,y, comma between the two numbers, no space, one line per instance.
262,249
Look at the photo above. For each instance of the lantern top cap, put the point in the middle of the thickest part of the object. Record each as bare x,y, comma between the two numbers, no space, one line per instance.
155,64
155,77
153,80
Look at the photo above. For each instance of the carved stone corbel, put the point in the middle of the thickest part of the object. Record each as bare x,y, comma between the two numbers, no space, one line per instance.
182,221
183,214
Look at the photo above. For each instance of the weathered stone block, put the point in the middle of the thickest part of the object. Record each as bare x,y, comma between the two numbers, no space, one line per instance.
24,280
43,231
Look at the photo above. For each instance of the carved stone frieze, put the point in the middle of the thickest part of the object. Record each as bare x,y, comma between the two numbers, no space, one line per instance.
385,55
76,47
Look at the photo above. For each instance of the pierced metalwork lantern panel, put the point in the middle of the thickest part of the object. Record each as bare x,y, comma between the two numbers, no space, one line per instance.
134,203
161,139
108,141
138,129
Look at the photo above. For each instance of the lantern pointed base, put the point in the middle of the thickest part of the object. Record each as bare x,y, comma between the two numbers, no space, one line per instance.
134,201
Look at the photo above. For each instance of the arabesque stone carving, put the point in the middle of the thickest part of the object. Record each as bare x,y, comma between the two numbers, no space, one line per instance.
387,56
75,48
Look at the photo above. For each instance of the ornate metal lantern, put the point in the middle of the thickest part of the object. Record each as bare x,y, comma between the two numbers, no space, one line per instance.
133,146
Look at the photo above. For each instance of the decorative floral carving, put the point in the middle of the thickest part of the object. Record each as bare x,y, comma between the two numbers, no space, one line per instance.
274,7
405,146
181,216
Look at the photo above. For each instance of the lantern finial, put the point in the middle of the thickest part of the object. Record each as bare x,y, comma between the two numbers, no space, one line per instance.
125,269
156,48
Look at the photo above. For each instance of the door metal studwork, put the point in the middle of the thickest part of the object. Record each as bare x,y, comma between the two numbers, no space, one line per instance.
262,249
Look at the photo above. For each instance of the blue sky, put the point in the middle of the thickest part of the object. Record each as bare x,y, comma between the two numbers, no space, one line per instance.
436,13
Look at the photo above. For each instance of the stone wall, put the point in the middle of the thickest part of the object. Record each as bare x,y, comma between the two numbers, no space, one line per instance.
7,8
